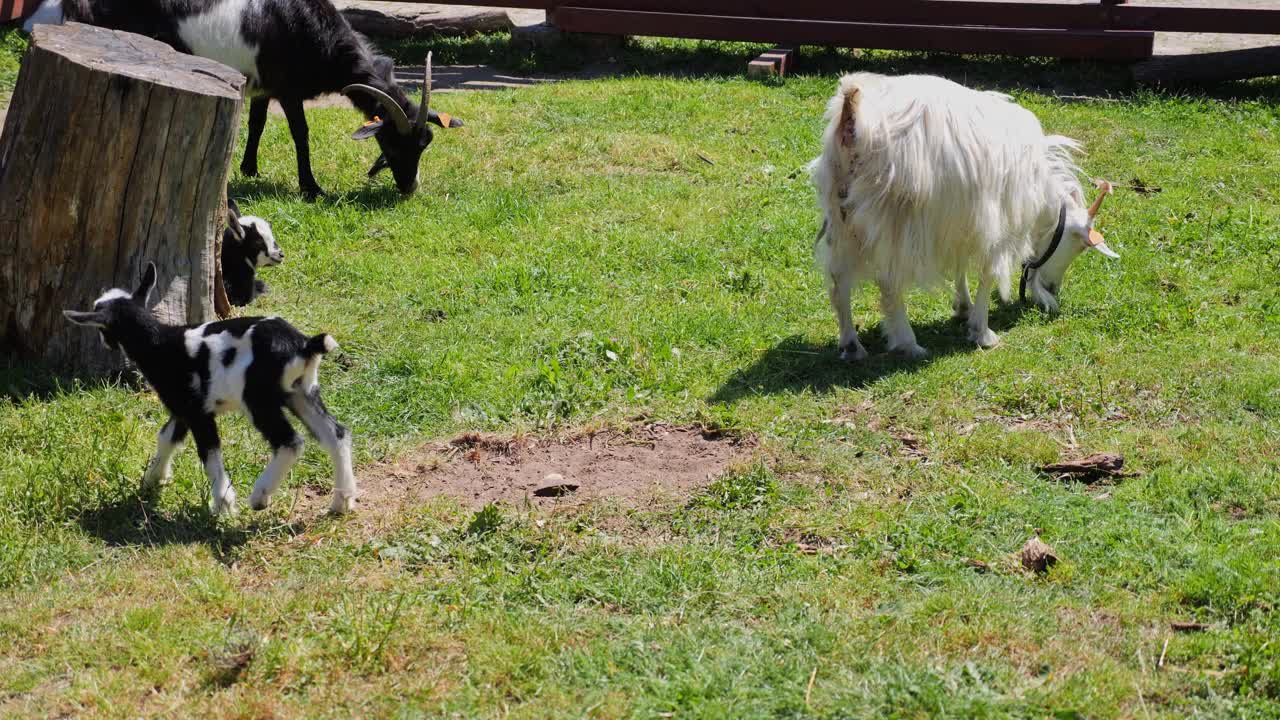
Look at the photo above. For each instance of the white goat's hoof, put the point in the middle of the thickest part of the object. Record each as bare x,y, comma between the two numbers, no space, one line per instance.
984,338
853,353
342,504
911,351
225,506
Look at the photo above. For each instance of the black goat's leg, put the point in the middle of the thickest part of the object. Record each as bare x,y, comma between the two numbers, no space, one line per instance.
257,121
298,129
205,431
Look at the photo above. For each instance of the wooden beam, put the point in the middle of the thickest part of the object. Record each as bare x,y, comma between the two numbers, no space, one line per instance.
1051,15
999,41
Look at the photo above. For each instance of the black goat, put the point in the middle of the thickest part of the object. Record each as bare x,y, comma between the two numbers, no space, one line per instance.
247,244
290,50
259,366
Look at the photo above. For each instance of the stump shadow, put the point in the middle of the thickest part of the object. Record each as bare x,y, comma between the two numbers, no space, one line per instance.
797,365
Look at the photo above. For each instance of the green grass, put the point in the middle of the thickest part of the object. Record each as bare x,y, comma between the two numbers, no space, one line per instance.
570,260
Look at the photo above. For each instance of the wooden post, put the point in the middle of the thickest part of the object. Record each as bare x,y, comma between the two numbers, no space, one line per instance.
116,150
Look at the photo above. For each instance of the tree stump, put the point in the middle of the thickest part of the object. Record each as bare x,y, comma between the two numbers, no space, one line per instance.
116,151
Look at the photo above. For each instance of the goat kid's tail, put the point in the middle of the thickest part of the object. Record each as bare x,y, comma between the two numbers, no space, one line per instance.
319,345
303,371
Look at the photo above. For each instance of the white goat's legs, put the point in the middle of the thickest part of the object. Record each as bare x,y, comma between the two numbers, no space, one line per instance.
336,440
168,442
979,330
897,330
960,305
850,348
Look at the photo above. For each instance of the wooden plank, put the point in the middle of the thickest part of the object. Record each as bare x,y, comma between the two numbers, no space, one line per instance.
1090,16
1255,21
999,41
1077,16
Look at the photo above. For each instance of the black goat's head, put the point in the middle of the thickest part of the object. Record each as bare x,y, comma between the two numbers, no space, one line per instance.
401,139
117,311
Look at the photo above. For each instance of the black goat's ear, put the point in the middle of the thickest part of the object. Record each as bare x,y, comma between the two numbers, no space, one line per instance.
368,130
89,319
143,293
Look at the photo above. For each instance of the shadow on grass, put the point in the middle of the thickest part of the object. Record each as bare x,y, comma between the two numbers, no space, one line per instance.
134,521
376,194
589,57
21,381
796,365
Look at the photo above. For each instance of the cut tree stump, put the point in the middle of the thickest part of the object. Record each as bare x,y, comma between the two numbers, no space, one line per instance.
116,151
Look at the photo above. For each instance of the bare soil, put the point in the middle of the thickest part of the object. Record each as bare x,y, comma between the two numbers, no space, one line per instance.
634,467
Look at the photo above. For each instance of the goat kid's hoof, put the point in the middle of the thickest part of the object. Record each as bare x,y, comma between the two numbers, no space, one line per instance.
853,353
342,504
224,506
984,338
910,351
259,502
153,481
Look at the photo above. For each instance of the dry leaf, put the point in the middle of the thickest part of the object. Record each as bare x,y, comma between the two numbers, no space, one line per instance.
1037,556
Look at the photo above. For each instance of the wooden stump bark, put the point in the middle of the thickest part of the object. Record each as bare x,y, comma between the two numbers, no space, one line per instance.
116,151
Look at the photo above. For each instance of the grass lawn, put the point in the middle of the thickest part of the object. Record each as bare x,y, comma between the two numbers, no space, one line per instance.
587,253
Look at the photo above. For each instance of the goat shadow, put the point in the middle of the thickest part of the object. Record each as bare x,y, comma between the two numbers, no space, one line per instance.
375,194
797,365
135,521
22,380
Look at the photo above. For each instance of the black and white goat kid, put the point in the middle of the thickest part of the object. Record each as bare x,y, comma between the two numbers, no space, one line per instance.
290,50
247,244
260,366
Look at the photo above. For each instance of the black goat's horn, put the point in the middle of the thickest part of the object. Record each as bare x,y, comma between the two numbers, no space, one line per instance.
394,111
426,93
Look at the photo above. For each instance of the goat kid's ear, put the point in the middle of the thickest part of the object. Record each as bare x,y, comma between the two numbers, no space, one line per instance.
88,319
444,120
143,293
368,130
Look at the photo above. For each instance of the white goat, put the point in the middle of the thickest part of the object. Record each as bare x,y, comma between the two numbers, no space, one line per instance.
920,177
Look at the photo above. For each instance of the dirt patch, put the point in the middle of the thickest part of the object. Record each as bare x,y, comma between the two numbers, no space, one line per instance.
634,467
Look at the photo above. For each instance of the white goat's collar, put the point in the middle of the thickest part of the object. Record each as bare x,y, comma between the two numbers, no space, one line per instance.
1030,265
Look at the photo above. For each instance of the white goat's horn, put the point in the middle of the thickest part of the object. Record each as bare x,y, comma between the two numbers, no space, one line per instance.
1104,189
426,93
394,111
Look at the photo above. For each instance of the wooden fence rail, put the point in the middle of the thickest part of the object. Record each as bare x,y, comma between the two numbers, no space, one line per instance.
1110,29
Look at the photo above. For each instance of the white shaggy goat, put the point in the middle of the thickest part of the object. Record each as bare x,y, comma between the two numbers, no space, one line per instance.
920,178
